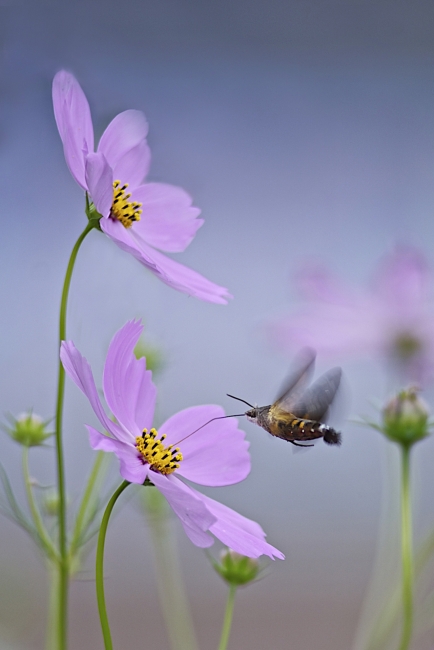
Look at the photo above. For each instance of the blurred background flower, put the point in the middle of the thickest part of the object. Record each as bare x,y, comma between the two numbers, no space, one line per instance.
392,320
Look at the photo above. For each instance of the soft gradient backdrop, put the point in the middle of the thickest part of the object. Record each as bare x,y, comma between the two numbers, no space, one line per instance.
305,132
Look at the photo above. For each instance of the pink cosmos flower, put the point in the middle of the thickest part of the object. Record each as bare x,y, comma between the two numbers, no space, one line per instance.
215,455
144,219
394,319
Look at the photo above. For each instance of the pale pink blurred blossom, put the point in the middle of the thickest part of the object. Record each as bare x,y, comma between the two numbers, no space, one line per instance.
393,319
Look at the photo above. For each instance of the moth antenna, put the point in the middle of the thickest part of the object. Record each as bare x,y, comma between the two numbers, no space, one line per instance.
241,400
221,417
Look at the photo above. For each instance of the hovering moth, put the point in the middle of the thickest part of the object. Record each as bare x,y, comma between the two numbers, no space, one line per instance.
299,412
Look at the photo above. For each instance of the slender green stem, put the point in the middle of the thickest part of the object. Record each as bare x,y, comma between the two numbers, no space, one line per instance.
100,567
63,550
227,623
44,537
389,615
406,550
80,522
170,586
52,619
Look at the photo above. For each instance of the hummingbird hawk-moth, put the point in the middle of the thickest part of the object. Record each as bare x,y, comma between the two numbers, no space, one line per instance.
299,413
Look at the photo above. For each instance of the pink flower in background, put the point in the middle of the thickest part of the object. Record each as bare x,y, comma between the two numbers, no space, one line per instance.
141,218
394,319
215,455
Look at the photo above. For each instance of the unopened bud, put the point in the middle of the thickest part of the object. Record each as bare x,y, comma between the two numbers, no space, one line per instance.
28,429
51,503
236,569
405,418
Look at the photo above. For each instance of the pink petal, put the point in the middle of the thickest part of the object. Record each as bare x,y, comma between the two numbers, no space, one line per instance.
188,505
402,280
102,442
122,237
239,533
134,165
78,369
123,144
169,221
131,467
333,327
315,283
99,180
128,387
74,123
217,454
184,279
172,273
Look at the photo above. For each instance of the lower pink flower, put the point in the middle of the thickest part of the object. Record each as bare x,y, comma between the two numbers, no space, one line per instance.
215,455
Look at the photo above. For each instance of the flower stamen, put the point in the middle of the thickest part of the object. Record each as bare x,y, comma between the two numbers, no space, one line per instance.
123,210
164,460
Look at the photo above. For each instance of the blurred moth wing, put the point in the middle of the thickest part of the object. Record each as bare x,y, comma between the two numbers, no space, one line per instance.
300,412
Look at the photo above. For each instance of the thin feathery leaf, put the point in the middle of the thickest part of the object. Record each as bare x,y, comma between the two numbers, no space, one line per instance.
15,513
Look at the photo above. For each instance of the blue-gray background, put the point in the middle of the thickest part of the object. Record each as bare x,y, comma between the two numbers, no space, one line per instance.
305,131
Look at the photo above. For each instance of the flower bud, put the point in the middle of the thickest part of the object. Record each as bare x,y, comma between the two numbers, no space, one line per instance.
28,430
236,569
50,503
405,418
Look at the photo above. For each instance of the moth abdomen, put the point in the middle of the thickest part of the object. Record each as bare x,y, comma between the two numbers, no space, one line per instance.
331,436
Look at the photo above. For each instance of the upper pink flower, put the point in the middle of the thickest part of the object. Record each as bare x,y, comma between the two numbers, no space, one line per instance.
215,455
394,319
146,216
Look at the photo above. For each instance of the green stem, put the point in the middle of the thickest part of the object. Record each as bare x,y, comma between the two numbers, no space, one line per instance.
99,573
44,537
406,550
170,586
62,602
52,621
228,618
80,522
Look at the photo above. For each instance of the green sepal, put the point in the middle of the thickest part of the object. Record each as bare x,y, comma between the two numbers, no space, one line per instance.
236,569
92,214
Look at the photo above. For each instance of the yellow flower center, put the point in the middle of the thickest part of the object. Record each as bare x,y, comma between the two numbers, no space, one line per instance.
123,210
160,458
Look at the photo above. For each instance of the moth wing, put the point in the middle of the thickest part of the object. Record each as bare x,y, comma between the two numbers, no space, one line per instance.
315,401
297,381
